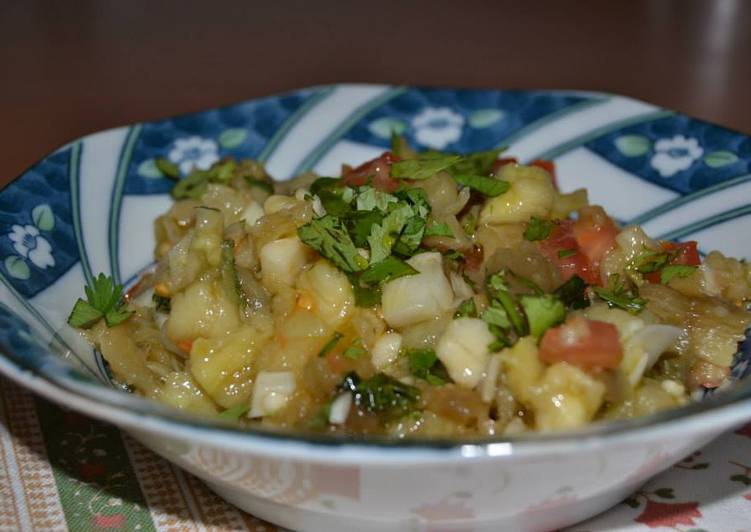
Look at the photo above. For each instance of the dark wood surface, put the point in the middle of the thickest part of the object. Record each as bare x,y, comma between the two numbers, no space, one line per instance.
70,68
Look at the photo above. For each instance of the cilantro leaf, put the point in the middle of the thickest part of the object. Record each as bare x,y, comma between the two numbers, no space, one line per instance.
356,350
333,203
400,147
381,394
195,183
369,198
675,270
167,167
572,293
360,225
330,344
324,183
366,296
424,364
439,229
466,309
496,316
103,300
538,229
651,261
489,186
411,237
328,236
388,269
476,163
234,413
423,167
616,295
382,237
543,312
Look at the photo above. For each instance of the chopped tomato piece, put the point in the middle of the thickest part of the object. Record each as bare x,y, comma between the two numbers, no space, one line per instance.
549,167
684,253
589,344
377,171
562,249
595,233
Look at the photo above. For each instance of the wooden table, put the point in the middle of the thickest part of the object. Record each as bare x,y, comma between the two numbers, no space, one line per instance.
70,68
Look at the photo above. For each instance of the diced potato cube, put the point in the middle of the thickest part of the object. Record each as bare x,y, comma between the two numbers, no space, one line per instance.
202,309
569,398
463,349
181,391
331,292
523,368
531,194
222,365
419,297
271,392
282,260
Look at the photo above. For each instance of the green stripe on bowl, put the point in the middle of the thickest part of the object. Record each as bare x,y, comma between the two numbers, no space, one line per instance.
706,222
75,200
688,198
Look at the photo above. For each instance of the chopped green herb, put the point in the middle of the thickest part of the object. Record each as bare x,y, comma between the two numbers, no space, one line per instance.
651,261
334,204
423,167
356,350
538,229
466,309
104,299
167,168
424,364
192,186
329,237
502,298
501,338
573,293
439,229
369,198
411,237
230,280
388,269
496,316
563,253
324,183
161,303
488,186
330,344
360,225
383,237
543,312
476,163
675,271
234,413
616,295
381,394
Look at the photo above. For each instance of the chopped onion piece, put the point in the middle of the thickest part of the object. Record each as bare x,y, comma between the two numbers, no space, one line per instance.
340,409
271,392
490,381
386,350
643,348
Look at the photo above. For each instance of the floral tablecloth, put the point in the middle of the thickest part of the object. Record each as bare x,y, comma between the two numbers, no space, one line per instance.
60,470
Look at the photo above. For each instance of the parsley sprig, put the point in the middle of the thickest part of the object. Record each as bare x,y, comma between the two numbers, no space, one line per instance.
104,299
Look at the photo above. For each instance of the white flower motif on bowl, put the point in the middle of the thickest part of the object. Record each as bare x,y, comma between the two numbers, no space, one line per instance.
675,154
194,152
31,245
437,127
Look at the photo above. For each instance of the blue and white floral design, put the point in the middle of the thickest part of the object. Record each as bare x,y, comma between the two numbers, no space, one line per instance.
194,152
29,244
437,127
675,154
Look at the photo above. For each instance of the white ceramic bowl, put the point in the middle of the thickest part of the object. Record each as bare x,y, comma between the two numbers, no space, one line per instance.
89,206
